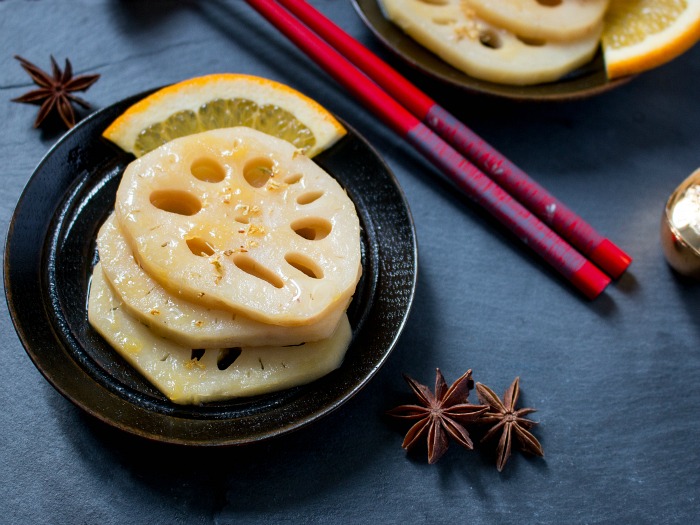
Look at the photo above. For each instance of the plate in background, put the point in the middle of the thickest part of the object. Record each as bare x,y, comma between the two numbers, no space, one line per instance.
586,81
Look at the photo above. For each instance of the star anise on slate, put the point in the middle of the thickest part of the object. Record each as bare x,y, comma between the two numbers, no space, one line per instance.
55,91
510,422
439,415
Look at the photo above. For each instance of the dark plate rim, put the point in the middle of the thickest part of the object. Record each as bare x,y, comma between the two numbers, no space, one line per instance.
65,386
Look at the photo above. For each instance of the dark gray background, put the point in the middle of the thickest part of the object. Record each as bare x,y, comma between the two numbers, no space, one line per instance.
615,381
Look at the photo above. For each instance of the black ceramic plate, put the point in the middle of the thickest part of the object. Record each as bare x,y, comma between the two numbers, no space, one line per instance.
586,81
50,252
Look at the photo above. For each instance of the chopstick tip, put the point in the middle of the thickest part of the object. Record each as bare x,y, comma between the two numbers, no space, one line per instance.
611,259
590,280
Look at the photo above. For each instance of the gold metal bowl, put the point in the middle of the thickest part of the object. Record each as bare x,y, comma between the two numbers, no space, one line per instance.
680,227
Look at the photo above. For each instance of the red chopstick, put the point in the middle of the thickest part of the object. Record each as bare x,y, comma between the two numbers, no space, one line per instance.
538,236
538,200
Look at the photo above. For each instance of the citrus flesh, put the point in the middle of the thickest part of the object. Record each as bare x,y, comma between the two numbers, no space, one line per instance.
222,101
639,35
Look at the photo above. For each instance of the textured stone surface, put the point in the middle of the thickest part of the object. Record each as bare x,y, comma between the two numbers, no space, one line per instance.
616,381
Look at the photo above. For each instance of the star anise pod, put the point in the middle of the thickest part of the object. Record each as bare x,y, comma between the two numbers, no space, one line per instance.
510,422
439,415
55,91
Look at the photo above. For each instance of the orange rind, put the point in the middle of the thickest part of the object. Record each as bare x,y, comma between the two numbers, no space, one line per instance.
221,101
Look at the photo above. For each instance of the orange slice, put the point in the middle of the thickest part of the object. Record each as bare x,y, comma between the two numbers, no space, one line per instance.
642,34
223,101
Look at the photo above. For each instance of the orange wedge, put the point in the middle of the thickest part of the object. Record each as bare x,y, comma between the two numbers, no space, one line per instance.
642,34
222,101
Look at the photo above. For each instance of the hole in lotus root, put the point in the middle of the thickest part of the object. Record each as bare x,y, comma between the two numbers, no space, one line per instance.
304,264
309,197
176,201
444,21
293,179
489,39
549,3
200,247
207,170
535,42
227,356
258,171
251,267
312,228
197,353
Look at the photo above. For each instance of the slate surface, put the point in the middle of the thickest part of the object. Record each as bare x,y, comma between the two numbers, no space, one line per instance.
615,381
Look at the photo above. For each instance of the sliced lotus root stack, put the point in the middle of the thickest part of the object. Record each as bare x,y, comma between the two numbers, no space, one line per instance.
453,31
188,323
190,376
543,19
239,220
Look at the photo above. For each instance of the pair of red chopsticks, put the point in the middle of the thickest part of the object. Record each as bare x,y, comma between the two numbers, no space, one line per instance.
429,128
